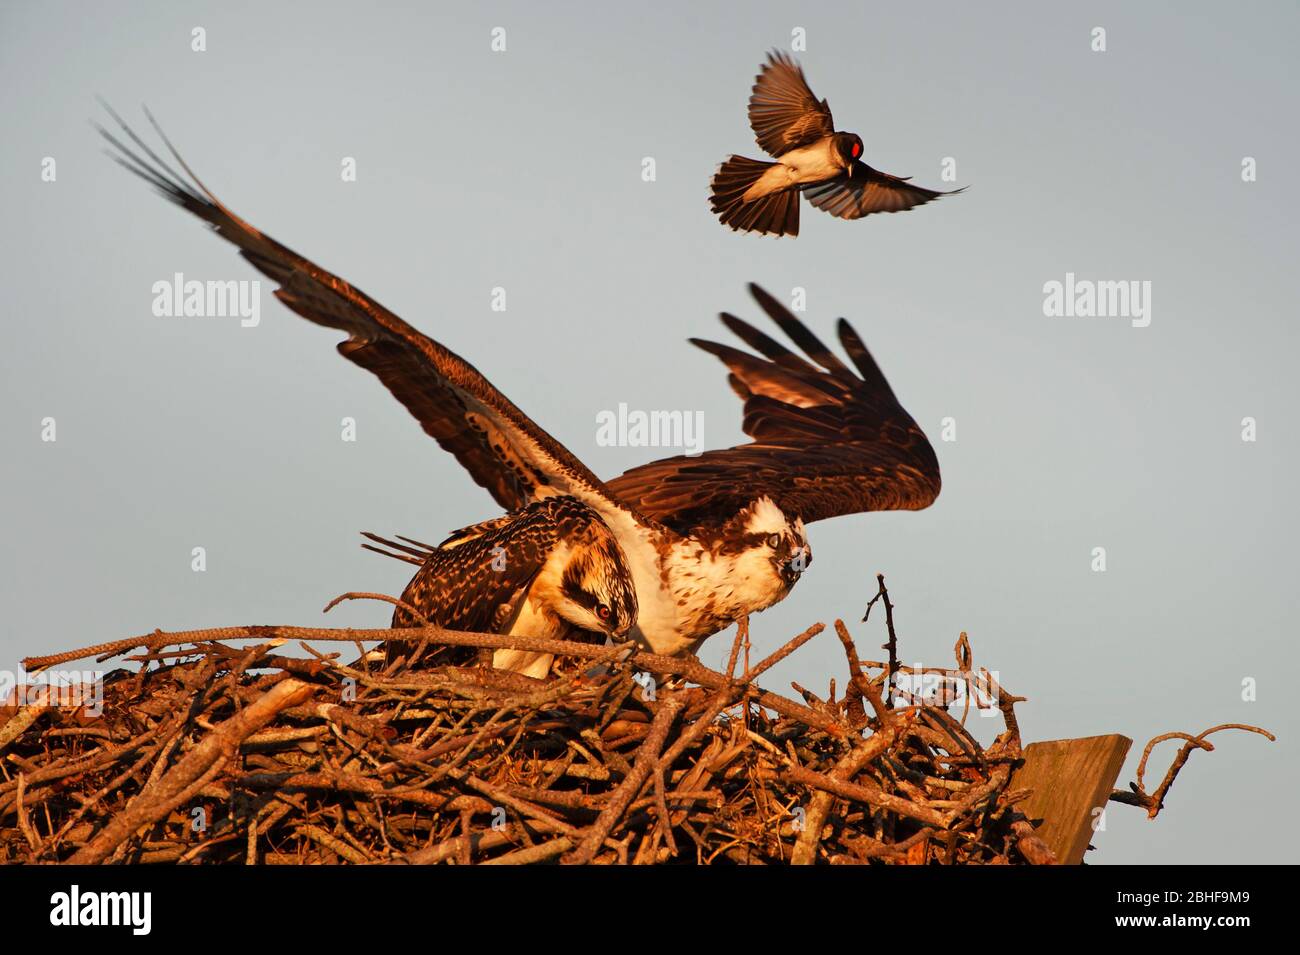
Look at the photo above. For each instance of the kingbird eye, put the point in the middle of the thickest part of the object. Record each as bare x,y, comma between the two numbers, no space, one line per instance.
856,151
602,611
774,541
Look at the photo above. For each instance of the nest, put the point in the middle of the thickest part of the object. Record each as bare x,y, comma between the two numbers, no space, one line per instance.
213,753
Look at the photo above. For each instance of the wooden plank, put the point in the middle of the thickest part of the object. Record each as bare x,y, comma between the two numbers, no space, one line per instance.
1071,780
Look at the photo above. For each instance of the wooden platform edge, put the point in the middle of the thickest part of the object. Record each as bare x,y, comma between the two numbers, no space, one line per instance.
1071,781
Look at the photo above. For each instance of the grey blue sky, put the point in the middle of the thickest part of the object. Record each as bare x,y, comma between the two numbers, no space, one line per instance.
522,170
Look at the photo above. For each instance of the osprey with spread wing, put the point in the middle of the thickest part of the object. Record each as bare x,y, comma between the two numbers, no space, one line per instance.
666,554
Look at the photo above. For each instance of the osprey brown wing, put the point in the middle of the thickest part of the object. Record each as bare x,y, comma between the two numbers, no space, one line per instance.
827,440
470,588
478,582
469,585
503,450
783,111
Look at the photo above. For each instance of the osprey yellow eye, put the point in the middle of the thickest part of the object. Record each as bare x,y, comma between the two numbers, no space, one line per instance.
602,611
774,541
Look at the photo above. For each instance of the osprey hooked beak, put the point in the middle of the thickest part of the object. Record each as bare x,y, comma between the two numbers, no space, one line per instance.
790,570
623,632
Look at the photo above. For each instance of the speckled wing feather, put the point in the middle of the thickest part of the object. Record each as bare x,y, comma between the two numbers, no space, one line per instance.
503,450
827,441
783,111
477,578
462,587
869,190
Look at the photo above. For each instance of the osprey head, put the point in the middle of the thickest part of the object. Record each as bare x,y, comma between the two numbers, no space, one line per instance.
596,589
782,540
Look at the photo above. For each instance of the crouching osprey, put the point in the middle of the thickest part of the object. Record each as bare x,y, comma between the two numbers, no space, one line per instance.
665,554
550,569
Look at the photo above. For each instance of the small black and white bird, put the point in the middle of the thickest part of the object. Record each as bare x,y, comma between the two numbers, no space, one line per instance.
665,554
796,128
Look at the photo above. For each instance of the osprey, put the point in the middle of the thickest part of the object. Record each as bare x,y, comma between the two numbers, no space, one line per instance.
793,126
552,568
666,554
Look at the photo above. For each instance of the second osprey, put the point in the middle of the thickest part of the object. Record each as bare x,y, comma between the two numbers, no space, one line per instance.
793,126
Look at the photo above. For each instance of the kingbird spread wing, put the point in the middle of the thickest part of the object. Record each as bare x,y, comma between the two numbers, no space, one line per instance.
503,450
827,440
868,191
783,111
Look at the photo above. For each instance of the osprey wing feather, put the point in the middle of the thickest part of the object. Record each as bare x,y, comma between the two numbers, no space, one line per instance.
827,441
501,447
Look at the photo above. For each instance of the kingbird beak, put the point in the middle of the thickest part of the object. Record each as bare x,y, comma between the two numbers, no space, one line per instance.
850,169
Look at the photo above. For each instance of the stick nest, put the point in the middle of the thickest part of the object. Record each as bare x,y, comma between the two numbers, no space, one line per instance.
211,753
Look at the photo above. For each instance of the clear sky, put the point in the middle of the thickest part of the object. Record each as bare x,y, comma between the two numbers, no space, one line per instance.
522,170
